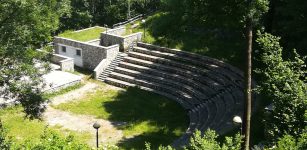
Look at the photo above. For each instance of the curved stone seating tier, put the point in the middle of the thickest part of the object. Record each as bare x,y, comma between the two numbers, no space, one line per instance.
167,82
175,77
172,70
193,56
212,67
209,73
208,89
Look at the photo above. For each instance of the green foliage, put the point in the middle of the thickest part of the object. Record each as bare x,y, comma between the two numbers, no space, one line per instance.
287,18
288,142
284,83
52,141
25,25
207,142
5,141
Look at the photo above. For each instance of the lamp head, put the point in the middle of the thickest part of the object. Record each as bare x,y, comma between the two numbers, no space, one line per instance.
237,120
96,125
143,20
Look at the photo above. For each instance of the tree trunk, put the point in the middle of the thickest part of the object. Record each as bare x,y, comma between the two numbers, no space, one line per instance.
248,92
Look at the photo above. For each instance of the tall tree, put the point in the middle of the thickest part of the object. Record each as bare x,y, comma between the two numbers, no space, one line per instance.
248,80
24,26
255,8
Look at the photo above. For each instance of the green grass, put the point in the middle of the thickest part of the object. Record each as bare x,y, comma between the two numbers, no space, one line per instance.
22,129
62,91
149,117
86,35
166,30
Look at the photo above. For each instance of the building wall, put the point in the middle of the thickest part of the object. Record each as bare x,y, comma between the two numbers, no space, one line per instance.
71,52
91,55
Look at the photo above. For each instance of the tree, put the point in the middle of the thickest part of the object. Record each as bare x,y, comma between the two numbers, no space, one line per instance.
207,142
284,83
24,26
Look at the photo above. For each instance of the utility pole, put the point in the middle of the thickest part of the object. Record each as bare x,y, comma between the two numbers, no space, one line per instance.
248,80
129,14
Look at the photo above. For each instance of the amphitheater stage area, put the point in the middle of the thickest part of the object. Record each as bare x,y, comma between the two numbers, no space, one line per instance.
56,80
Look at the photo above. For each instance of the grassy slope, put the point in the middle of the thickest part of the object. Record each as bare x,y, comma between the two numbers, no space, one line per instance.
165,30
86,35
149,117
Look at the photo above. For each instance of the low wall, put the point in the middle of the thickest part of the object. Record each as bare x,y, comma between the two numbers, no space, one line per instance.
91,54
66,63
116,31
123,41
101,67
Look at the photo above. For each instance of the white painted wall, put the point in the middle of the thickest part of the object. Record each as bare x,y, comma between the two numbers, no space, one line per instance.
72,52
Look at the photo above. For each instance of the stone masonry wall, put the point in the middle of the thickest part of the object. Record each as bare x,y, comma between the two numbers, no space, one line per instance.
66,63
123,41
91,54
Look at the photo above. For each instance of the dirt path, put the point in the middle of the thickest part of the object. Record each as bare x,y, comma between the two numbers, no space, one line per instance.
82,123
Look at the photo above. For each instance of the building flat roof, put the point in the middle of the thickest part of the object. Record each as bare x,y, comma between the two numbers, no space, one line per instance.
84,35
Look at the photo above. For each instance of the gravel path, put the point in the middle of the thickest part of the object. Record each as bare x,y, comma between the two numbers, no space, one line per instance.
82,123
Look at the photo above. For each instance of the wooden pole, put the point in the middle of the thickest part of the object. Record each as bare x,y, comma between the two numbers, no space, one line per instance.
248,73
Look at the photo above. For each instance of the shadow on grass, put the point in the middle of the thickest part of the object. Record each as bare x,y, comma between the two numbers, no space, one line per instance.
165,119
167,30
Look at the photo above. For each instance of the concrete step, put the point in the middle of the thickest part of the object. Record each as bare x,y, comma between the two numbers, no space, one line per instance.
175,77
167,82
173,70
187,60
124,84
209,73
182,95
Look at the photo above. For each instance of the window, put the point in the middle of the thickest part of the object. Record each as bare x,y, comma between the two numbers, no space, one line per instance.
64,49
78,52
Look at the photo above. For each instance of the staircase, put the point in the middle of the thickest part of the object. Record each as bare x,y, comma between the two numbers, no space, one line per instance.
111,67
208,89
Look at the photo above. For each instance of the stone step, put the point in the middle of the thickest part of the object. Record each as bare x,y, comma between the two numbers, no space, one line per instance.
182,95
215,76
124,84
193,56
229,74
213,110
196,85
167,82
173,70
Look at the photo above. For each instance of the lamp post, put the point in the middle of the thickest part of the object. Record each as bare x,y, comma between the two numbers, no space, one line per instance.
144,22
238,120
96,126
107,42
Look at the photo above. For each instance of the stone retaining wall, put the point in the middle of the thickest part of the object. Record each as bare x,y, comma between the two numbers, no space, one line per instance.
66,63
91,54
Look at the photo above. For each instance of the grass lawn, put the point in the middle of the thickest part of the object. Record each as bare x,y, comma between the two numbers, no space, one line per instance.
21,128
85,35
149,117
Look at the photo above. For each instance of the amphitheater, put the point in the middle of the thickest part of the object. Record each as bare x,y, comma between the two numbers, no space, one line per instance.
210,90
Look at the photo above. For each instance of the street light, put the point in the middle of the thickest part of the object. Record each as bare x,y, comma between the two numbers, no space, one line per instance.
96,126
107,42
144,22
238,120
